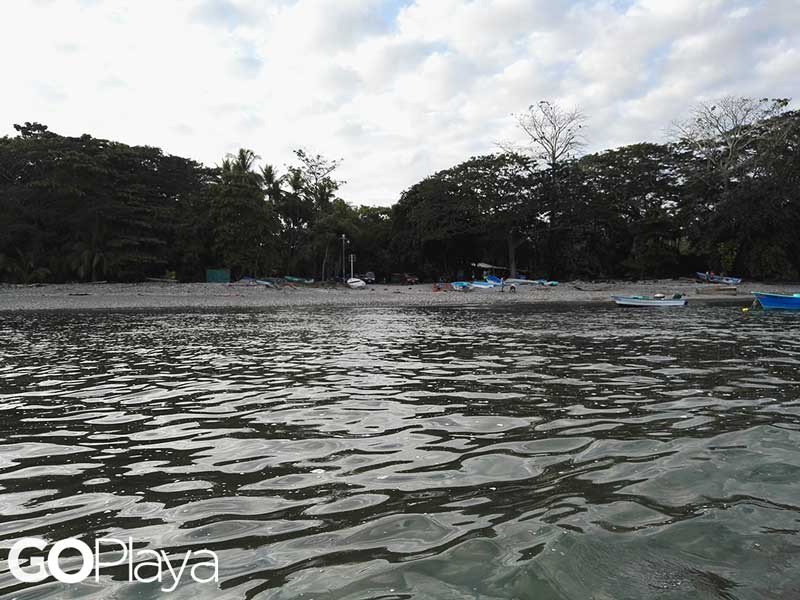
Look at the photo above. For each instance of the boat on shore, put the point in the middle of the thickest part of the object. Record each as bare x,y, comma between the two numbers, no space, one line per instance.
494,280
778,301
711,278
356,284
657,300
520,281
468,286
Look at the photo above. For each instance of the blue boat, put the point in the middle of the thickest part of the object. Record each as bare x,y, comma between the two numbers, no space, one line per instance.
461,286
778,301
494,280
710,278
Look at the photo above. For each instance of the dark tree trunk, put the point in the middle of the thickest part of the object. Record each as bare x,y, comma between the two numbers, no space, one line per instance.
512,254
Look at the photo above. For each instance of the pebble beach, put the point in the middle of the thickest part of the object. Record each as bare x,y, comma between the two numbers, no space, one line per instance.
156,295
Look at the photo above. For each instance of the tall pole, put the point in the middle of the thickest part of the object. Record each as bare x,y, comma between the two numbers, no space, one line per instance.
352,258
344,239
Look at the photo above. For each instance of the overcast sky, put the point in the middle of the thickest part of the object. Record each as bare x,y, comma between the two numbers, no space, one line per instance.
398,89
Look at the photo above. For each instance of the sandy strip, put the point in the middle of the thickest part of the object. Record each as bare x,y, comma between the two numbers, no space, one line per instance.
209,295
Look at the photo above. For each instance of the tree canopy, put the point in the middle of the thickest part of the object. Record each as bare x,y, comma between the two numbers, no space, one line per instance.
723,194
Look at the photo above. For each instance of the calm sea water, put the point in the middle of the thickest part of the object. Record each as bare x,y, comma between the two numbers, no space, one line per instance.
395,453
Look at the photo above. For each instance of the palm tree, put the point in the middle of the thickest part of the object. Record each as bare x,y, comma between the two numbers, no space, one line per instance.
239,167
243,160
272,182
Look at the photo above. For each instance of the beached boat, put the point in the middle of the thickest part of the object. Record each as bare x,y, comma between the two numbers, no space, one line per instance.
657,300
482,285
461,286
494,280
520,281
356,283
778,301
251,281
711,278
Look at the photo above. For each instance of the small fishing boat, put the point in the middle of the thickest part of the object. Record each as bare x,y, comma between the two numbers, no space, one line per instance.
461,286
494,280
292,279
711,278
520,281
482,285
356,283
778,301
250,281
657,300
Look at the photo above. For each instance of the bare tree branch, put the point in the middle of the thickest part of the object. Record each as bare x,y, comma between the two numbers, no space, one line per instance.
724,132
553,133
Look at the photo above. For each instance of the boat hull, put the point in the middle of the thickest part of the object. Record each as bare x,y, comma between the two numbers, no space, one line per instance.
633,301
707,278
545,282
356,284
777,301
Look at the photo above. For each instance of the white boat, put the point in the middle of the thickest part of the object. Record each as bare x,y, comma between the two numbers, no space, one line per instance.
657,300
545,282
356,283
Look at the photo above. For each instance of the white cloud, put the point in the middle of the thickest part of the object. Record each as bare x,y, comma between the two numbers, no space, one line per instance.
397,89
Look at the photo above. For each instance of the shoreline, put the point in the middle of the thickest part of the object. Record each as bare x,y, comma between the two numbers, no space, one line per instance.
156,295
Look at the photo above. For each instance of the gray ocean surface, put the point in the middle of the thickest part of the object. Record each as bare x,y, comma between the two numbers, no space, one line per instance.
465,453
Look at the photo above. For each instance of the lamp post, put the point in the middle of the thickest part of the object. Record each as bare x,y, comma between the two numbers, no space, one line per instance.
344,276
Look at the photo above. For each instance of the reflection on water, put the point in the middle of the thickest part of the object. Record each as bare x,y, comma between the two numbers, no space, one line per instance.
398,453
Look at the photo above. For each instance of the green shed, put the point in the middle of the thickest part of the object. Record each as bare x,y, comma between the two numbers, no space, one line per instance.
218,275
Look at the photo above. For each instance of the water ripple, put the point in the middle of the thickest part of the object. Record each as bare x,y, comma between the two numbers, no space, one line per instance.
398,453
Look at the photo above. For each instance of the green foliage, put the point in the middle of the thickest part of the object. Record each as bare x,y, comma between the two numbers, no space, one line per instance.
87,209
771,261
482,209
84,208
727,255
241,221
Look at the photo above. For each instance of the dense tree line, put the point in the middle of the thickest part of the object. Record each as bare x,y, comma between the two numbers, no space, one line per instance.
724,194
87,209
